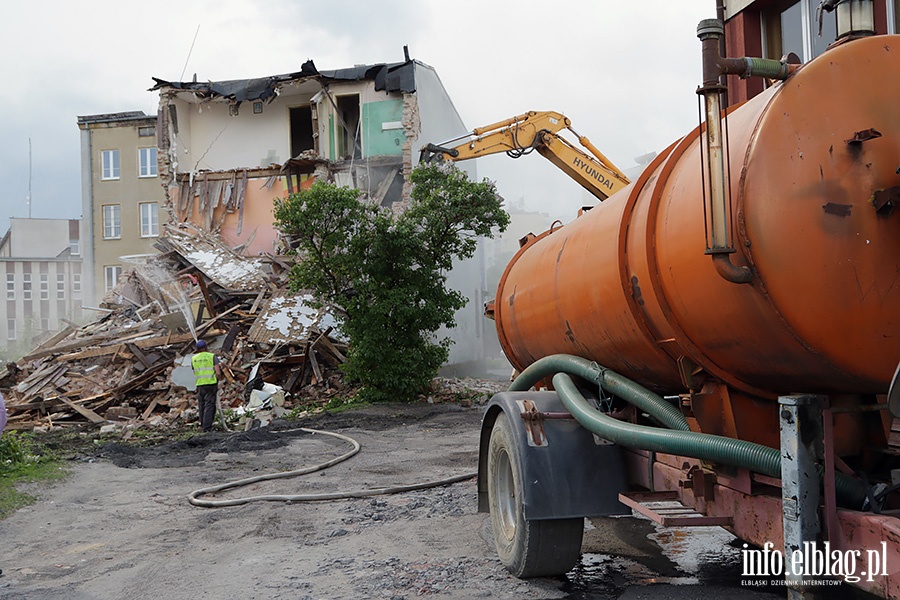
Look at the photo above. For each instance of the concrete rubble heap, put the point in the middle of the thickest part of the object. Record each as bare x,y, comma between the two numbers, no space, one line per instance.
119,367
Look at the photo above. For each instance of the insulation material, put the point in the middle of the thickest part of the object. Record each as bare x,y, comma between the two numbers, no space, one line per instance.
219,263
291,319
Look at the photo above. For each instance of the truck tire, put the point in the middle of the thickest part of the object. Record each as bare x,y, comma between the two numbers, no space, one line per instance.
526,548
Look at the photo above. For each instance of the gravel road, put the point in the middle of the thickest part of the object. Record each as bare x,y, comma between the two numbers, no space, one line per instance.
121,527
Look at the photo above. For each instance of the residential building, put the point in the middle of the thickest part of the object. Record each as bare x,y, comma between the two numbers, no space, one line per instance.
43,280
774,28
121,195
229,148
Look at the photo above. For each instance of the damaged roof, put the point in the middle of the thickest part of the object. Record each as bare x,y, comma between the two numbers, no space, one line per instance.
389,77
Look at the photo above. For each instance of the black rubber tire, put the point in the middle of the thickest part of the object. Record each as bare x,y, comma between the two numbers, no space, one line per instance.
526,548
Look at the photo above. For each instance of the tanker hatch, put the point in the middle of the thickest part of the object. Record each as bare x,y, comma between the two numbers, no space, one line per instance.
855,18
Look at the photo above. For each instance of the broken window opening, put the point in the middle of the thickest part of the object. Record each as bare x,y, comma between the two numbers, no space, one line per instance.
348,140
302,138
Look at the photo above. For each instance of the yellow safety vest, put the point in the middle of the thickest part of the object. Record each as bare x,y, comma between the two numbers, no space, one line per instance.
204,364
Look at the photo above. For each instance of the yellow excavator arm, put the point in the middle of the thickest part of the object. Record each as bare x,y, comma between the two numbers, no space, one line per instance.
539,131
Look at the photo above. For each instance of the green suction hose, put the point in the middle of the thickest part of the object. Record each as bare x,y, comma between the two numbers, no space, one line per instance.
678,439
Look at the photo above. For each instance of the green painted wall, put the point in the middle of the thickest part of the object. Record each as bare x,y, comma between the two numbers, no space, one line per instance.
378,142
331,137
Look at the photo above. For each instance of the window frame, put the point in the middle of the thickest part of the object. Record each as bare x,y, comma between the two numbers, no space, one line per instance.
60,286
26,287
152,231
44,286
147,168
10,330
110,170
10,286
116,272
112,230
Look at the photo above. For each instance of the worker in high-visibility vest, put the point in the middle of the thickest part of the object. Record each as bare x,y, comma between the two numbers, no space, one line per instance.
207,371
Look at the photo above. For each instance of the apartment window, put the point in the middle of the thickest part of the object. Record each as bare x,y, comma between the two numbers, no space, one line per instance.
112,222
109,159
76,285
112,274
60,286
147,131
74,247
10,286
45,324
26,286
149,219
10,329
793,26
45,286
147,162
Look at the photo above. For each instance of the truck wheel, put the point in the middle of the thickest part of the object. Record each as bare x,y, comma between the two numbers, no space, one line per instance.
526,548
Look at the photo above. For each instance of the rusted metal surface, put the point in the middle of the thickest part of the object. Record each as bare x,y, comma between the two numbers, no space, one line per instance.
672,514
821,313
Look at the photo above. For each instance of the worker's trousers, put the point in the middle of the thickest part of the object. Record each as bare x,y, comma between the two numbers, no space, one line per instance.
206,395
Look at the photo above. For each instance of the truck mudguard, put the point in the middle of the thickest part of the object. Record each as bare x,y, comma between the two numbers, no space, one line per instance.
569,474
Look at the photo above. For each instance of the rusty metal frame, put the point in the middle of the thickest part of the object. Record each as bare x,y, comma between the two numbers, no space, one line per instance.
677,516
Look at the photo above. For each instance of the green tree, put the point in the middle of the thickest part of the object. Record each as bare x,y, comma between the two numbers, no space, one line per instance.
389,271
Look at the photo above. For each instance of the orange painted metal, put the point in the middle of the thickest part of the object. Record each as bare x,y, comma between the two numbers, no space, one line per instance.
628,283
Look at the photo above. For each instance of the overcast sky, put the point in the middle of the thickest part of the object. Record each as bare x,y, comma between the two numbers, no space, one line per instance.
624,72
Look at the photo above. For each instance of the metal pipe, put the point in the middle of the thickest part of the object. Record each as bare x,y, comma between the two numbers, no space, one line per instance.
711,33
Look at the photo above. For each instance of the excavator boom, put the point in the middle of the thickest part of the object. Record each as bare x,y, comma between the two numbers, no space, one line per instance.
539,131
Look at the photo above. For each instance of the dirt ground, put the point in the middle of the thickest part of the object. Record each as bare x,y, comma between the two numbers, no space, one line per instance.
121,526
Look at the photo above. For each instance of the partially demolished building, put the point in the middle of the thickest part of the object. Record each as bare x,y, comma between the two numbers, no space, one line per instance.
227,149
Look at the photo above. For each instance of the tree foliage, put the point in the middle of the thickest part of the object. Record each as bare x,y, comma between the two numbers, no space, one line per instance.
389,271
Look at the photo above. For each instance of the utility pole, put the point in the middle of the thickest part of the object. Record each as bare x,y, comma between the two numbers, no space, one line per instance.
28,197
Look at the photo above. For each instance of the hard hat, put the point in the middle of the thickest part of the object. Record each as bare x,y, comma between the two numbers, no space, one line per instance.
201,344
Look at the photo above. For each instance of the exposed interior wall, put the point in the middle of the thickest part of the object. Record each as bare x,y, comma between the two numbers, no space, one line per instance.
251,226
392,127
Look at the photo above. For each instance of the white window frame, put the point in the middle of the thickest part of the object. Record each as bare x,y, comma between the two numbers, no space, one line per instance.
112,221
147,166
11,329
44,279
75,247
60,286
26,286
150,220
110,166
76,285
10,286
111,274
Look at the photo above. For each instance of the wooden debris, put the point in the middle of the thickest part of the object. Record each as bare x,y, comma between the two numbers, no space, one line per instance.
119,366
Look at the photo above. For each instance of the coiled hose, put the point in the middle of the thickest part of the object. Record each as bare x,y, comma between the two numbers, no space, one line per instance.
194,497
675,440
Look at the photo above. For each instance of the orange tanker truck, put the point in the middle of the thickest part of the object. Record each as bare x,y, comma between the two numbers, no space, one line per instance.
724,332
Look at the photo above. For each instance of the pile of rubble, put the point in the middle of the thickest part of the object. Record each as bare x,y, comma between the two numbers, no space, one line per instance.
132,364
